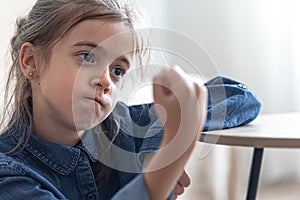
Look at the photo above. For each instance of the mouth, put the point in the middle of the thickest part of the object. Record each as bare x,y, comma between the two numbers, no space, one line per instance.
99,101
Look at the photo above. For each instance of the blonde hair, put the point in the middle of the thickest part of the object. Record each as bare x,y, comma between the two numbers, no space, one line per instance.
46,23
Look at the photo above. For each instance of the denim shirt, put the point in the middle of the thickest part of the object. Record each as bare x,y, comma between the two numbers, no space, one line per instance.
45,170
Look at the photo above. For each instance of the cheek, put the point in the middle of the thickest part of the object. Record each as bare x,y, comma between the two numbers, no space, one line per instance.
61,72
58,87
63,85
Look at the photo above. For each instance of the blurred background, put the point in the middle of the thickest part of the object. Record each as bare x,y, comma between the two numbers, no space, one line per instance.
256,42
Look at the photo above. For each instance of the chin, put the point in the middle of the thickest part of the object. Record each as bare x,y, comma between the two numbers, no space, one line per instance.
87,123
84,126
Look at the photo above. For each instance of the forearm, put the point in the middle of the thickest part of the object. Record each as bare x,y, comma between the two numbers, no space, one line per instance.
160,182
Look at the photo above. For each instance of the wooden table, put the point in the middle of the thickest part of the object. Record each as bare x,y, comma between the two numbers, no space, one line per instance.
280,130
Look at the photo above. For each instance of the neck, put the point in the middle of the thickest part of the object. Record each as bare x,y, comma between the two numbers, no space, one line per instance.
51,130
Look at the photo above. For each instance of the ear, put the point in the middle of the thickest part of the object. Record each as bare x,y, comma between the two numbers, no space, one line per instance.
27,59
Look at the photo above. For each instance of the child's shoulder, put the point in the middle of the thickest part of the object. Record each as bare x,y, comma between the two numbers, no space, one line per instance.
10,166
7,141
21,182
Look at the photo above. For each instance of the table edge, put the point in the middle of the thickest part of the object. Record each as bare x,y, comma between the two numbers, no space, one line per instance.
249,141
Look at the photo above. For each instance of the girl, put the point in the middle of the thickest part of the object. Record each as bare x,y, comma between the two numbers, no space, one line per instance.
68,60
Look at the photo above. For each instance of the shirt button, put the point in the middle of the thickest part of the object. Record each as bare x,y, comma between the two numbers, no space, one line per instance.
242,86
91,196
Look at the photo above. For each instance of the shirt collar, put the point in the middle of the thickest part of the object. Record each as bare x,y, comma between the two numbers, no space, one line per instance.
87,144
61,158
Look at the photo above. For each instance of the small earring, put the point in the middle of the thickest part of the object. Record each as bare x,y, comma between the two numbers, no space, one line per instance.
30,74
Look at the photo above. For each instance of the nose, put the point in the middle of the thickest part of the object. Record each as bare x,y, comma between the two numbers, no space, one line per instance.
103,83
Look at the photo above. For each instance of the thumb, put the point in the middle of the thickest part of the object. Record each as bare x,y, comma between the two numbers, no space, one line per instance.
160,89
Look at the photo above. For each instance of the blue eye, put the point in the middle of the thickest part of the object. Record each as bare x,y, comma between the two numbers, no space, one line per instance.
87,57
118,72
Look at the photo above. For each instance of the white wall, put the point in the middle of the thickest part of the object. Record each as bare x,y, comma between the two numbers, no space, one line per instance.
263,50
9,10
251,41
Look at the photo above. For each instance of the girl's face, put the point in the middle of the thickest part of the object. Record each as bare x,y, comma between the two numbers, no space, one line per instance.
78,85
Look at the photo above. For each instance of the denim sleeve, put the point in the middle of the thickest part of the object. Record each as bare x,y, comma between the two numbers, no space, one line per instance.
135,190
22,187
16,183
230,104
141,121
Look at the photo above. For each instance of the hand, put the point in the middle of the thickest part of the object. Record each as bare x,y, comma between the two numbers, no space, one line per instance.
182,105
183,182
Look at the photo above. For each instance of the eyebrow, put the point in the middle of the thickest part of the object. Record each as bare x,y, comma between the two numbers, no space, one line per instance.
90,44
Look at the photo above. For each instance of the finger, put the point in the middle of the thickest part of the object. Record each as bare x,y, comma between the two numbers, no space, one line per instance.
197,89
184,180
203,93
173,79
179,190
161,84
202,99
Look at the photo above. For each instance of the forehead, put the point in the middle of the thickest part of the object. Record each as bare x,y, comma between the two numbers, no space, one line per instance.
113,35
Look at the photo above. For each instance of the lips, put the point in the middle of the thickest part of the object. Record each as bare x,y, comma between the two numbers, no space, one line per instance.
100,101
